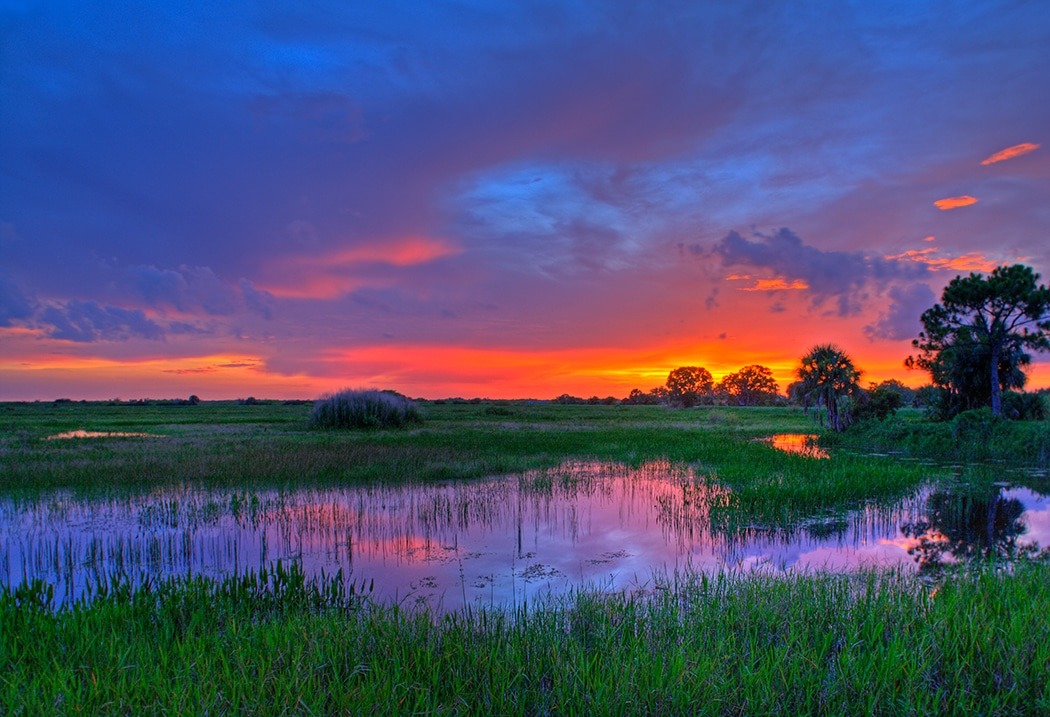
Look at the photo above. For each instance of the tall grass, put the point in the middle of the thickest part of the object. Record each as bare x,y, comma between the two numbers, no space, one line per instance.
364,409
457,442
971,436
877,643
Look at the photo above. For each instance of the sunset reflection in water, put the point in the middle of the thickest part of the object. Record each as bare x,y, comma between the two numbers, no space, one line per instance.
506,541
804,444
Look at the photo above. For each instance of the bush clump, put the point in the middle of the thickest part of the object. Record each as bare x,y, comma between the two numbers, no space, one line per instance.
364,409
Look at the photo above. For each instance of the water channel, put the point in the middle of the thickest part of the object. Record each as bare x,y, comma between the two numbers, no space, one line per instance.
506,541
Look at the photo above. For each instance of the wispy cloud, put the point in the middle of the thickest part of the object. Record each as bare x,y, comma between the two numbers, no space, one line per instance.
213,368
1010,152
336,273
971,261
775,285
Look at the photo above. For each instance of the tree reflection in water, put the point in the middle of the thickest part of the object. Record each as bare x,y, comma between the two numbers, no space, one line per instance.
968,526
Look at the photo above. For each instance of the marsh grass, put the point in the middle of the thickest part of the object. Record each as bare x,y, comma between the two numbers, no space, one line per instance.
279,642
458,442
874,643
970,436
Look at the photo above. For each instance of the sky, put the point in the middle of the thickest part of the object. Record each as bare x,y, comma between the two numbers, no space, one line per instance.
501,199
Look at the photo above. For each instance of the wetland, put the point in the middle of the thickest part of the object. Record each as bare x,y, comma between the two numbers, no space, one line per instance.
511,557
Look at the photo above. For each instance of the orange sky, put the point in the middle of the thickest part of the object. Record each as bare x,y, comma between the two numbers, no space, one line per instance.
435,371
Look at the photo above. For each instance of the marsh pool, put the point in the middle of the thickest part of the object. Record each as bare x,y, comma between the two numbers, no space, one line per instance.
507,541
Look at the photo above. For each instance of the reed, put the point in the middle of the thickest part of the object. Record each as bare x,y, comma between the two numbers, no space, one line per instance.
459,441
277,643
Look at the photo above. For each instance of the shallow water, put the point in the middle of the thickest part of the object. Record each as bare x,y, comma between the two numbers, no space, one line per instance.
506,541
803,444
80,433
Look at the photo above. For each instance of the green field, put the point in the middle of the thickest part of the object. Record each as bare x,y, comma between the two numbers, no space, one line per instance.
269,445
970,641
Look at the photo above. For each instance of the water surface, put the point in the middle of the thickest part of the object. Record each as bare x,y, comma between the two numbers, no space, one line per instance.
506,541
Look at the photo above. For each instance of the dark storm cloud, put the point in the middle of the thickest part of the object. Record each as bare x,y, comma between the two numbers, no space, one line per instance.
829,275
901,321
89,321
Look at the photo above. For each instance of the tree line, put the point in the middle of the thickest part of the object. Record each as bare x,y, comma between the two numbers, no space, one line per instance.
974,344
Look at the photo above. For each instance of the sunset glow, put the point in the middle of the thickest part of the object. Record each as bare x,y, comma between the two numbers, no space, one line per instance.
776,285
973,261
525,202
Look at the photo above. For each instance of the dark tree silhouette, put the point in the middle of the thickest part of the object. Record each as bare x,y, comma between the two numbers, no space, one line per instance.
686,385
828,380
979,525
750,386
975,339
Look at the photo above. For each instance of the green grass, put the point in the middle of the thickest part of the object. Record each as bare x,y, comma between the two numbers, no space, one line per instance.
876,643
279,643
270,445
971,436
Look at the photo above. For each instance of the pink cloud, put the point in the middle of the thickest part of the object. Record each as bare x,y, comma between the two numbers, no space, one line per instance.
340,272
971,261
1010,152
955,202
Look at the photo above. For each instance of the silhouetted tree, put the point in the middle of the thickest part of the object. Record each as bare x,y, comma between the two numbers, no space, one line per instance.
637,397
828,380
686,385
750,386
977,336
883,399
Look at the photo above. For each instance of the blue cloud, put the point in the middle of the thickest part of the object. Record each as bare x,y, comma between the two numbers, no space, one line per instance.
14,304
836,275
901,320
89,321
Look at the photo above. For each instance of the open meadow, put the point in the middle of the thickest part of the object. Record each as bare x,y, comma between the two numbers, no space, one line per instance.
246,578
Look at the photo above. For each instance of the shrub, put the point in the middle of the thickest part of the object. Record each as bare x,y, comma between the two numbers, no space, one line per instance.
364,409
1024,406
880,401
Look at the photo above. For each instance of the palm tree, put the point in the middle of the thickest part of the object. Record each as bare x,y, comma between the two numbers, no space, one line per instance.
828,378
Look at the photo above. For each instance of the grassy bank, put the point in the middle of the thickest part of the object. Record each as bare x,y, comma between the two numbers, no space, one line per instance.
867,644
970,436
243,446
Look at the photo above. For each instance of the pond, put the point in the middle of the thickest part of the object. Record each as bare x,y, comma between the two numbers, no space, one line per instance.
507,541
